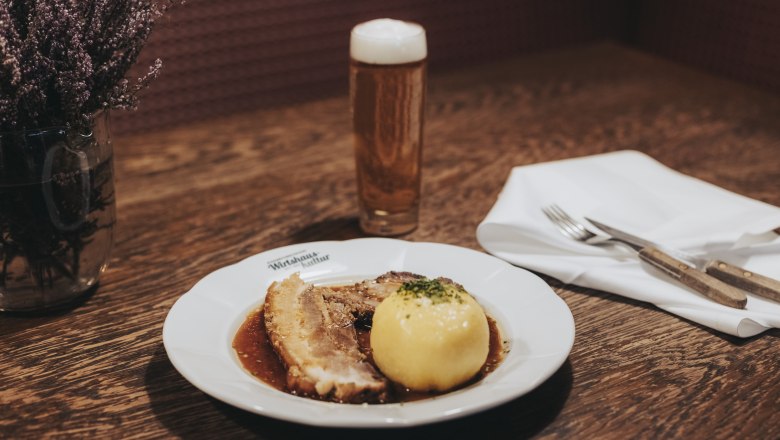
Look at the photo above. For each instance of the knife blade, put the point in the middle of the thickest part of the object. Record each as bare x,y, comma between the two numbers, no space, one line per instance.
728,273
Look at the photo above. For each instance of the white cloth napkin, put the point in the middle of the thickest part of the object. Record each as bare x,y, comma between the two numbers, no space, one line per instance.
633,192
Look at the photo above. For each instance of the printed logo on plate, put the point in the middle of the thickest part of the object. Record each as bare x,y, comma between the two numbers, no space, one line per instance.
302,258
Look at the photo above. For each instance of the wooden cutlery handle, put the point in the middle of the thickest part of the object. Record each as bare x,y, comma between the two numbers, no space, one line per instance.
707,285
744,279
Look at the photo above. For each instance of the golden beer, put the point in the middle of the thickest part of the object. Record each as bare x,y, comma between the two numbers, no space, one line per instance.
387,92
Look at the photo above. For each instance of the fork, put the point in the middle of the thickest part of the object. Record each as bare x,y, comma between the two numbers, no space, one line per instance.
575,230
707,285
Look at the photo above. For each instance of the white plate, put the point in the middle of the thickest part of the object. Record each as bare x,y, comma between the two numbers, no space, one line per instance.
199,328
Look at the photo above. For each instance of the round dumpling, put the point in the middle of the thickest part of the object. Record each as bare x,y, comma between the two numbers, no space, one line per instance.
430,335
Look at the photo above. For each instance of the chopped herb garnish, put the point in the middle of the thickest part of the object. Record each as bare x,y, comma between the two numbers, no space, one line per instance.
435,290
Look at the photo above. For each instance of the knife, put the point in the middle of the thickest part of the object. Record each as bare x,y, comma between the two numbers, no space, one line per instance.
728,273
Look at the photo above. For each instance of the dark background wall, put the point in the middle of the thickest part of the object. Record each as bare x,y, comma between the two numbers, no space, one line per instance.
223,57
735,38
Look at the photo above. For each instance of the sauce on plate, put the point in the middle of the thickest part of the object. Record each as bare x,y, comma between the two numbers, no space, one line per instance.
258,357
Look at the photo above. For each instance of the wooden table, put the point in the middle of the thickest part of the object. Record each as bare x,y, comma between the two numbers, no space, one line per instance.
195,199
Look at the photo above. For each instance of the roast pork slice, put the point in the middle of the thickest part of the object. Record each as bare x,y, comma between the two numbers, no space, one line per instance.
317,342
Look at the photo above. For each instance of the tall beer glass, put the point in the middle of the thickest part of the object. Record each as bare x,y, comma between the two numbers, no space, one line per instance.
388,61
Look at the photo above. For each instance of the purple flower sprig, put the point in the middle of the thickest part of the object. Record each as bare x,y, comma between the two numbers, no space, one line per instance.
63,60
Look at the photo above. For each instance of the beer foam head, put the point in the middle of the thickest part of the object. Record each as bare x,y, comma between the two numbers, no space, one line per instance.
387,41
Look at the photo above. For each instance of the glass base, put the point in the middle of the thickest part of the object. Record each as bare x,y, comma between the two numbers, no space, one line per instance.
383,223
36,299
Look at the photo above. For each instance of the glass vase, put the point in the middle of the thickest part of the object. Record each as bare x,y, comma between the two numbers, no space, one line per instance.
57,214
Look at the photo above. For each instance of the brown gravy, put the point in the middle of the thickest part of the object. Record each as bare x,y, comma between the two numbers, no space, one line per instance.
257,356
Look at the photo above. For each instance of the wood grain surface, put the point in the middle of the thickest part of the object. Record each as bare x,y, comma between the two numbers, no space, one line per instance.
195,199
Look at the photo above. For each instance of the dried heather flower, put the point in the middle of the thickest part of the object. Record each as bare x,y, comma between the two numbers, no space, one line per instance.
63,60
